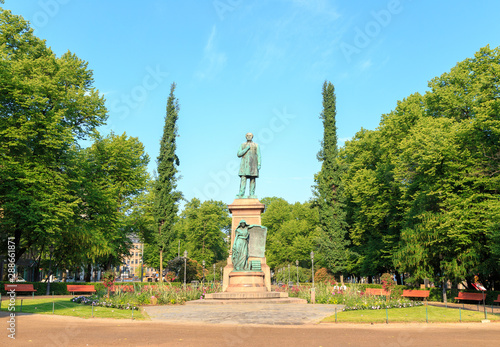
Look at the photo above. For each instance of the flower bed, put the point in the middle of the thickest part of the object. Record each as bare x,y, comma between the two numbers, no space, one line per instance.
93,300
157,294
352,297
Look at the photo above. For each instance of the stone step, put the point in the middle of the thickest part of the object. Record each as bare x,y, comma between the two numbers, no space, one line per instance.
245,295
246,301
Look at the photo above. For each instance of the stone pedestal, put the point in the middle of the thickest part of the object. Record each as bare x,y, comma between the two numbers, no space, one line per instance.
249,210
246,282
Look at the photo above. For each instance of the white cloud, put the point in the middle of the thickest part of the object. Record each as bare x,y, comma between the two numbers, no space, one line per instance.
321,7
213,61
366,64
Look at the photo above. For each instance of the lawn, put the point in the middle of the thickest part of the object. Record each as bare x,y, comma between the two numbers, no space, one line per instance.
65,307
412,314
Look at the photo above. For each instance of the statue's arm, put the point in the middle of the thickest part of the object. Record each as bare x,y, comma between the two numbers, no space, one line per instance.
258,157
242,151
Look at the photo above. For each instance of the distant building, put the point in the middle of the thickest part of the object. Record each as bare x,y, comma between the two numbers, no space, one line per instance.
133,261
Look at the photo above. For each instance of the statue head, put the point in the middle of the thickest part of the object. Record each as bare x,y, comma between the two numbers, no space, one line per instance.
249,136
243,224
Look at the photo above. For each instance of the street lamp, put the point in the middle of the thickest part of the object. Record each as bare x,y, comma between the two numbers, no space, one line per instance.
51,249
142,262
214,273
185,257
203,279
288,274
297,267
312,266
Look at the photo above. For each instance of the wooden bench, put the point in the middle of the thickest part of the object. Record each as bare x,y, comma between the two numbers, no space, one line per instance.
80,288
377,291
415,293
20,288
477,297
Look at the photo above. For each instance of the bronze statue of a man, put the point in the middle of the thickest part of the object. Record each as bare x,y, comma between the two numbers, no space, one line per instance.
249,153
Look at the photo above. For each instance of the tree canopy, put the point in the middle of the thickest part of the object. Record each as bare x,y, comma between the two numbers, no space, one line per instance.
422,189
47,103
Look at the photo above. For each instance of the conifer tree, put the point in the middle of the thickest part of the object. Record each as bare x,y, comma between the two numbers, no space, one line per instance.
167,197
328,191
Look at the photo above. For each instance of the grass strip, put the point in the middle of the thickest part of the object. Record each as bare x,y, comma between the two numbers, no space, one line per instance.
411,315
64,307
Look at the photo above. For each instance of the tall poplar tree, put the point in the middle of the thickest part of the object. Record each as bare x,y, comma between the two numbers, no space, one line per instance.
167,197
333,245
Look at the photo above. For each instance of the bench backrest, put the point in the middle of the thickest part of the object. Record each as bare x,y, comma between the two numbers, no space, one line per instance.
80,287
20,287
470,296
416,293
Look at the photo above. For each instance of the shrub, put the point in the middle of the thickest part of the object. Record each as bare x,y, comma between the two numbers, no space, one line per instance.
323,275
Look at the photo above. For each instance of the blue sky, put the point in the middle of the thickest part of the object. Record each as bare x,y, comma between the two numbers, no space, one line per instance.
258,66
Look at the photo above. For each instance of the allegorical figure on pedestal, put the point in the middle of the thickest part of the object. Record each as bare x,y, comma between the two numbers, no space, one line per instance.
249,152
240,247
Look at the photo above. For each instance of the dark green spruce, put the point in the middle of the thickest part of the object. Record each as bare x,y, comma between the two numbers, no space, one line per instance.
333,244
167,197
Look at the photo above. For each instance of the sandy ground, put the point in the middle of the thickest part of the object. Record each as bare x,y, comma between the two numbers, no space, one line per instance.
48,330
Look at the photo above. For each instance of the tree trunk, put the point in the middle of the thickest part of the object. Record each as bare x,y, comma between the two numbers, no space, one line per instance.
88,272
36,271
161,266
444,292
160,275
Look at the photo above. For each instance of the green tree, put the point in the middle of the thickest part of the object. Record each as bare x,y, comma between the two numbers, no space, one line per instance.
453,179
167,197
115,174
292,231
47,104
372,196
328,191
204,226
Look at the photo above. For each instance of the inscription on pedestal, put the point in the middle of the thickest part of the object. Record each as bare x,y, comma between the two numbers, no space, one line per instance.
257,241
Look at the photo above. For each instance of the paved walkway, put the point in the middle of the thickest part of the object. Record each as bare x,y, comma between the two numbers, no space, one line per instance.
269,314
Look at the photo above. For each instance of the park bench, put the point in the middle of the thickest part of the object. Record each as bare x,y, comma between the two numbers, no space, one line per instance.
377,291
477,297
80,288
498,299
415,293
20,288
